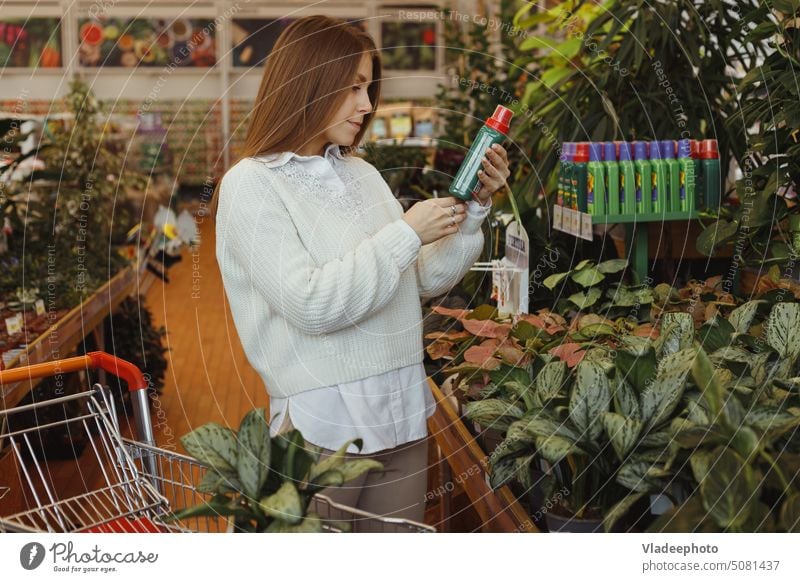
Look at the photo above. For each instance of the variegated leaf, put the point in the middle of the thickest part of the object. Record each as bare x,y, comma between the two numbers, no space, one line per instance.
590,397
742,317
622,432
550,380
783,330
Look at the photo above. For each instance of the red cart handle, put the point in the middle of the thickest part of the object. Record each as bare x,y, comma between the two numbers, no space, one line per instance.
111,364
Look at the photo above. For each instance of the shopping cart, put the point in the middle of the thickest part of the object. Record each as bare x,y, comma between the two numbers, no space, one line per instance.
126,485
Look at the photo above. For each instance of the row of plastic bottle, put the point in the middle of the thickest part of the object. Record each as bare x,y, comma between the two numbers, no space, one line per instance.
639,177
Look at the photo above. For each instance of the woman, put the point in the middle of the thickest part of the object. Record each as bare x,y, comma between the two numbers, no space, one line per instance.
323,270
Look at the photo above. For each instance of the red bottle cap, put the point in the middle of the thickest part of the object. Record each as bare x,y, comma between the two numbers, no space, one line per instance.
695,148
500,119
581,152
708,150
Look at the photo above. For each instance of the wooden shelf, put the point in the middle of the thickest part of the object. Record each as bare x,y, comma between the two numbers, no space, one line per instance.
499,511
58,341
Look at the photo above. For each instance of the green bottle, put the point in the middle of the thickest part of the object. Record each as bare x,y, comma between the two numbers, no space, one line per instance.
580,176
466,183
644,178
627,180
596,181
659,177
709,162
564,177
672,197
612,177
686,178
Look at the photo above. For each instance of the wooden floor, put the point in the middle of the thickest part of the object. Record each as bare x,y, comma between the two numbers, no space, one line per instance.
208,377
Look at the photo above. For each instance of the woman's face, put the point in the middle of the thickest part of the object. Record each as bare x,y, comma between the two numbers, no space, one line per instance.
347,121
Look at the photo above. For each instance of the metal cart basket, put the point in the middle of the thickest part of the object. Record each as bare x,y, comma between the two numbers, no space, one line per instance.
123,485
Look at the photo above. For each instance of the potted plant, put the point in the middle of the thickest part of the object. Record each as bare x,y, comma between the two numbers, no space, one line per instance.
265,484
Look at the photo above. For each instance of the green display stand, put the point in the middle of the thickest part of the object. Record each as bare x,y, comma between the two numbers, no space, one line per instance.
636,227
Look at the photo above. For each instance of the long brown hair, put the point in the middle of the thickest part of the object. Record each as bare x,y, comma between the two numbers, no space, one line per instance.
313,60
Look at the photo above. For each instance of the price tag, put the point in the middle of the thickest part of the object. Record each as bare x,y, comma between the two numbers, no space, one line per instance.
576,223
586,226
39,306
13,324
566,220
557,217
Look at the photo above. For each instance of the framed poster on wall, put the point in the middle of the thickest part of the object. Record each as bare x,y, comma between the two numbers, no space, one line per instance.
253,38
30,42
146,42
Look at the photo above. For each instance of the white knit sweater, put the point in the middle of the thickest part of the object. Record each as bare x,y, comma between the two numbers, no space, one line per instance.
324,283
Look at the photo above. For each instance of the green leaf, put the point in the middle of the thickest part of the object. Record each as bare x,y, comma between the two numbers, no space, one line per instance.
254,452
662,396
702,462
790,514
677,333
741,318
352,469
716,235
330,478
213,445
312,523
623,432
771,420
553,280
708,382
715,334
543,426
612,266
332,461
636,477
213,483
554,449
587,277
625,401
637,367
284,504
728,490
550,380
783,330
503,471
587,299
218,506
620,509
590,397
493,413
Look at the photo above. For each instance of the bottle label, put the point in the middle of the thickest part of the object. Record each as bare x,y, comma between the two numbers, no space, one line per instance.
590,189
638,187
682,182
470,166
654,188
621,188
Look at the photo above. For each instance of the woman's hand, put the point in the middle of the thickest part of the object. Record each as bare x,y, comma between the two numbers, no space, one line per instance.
436,218
494,173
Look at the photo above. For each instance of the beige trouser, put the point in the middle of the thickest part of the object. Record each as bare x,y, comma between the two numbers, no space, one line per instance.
397,491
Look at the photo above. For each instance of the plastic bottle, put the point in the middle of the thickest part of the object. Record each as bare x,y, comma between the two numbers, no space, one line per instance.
580,176
686,177
466,182
596,181
698,173
611,169
709,161
627,179
564,179
658,178
672,200
644,178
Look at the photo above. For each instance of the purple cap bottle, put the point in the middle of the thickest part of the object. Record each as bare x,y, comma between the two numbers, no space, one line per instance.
685,148
640,150
668,149
624,151
655,150
609,151
596,152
